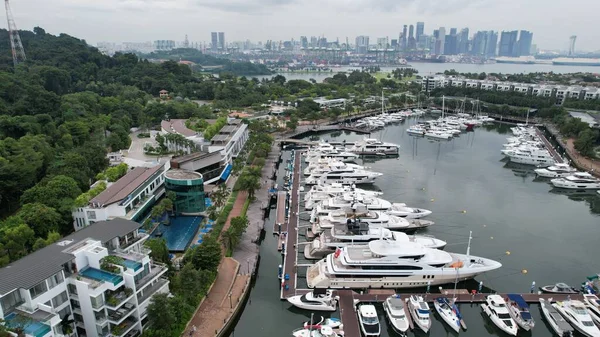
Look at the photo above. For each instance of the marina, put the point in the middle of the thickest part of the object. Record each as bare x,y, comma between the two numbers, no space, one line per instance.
295,265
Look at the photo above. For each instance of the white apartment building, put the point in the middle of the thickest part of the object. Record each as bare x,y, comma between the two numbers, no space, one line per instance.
128,198
66,280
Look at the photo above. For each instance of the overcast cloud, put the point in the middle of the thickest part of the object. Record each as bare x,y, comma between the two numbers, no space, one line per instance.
551,21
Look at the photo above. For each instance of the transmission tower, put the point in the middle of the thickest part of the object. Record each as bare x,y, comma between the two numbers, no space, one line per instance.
572,40
18,53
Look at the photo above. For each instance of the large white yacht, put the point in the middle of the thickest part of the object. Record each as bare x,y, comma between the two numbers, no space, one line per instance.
575,313
371,146
352,199
403,211
347,176
558,170
390,264
361,234
326,150
321,167
534,157
315,301
577,181
495,308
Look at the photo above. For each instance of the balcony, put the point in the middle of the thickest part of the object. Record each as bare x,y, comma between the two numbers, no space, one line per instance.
119,315
130,242
155,271
141,205
151,290
121,330
114,299
20,320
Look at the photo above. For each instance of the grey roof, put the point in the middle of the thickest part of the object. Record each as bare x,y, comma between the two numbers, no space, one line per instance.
177,126
220,138
228,129
39,265
123,187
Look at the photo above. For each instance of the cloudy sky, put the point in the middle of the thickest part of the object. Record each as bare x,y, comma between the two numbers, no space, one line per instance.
551,21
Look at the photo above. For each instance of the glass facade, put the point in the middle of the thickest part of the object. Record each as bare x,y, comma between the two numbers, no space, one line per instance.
189,189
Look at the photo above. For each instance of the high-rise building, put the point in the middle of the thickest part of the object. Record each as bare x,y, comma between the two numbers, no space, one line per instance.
451,44
214,41
420,31
314,41
491,43
525,40
478,43
164,44
362,44
222,40
453,31
463,41
439,43
382,43
412,42
508,43
404,44
303,42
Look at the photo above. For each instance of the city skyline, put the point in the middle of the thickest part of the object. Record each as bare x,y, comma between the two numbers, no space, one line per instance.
260,20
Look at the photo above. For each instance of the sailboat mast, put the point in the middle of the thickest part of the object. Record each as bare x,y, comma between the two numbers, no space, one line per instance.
382,108
469,245
443,105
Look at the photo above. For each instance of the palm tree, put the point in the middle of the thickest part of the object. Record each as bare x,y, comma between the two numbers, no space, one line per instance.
250,184
67,326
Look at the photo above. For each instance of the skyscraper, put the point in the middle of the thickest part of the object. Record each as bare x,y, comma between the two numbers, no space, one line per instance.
491,43
420,31
478,43
508,43
453,31
303,42
214,41
412,43
439,43
362,44
450,44
403,44
222,40
463,41
525,40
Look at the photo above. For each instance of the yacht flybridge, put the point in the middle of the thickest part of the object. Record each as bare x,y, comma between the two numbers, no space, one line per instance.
347,176
371,146
319,168
326,150
348,200
578,181
390,264
558,170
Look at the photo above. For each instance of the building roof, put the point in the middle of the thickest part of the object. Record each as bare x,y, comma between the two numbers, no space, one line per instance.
123,187
178,174
163,91
228,129
41,264
220,138
177,126
194,156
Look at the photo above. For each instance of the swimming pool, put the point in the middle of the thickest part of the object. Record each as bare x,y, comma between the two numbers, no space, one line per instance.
135,266
30,326
101,275
179,233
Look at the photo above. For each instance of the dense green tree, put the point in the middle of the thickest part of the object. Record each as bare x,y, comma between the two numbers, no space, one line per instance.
162,315
586,141
17,240
159,250
41,218
205,256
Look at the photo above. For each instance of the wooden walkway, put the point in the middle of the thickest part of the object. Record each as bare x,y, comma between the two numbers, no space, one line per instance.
463,296
348,314
549,147
291,252
280,223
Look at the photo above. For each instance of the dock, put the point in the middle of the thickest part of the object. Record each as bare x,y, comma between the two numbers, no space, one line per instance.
549,147
290,251
280,223
348,314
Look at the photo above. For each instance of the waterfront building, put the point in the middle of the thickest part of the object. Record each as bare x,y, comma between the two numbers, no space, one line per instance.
508,43
463,41
214,41
404,38
439,43
451,45
525,41
412,42
188,187
303,42
128,198
222,45
362,44
420,31
71,279
491,43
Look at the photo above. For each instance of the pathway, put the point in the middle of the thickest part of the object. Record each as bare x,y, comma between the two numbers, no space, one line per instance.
581,162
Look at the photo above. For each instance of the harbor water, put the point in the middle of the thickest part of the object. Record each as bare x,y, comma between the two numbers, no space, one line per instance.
425,68
538,233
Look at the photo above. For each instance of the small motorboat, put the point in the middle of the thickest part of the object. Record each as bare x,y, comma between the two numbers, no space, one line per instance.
369,323
315,331
419,310
447,311
519,311
401,210
556,321
593,306
331,322
559,288
495,308
575,313
315,301
396,314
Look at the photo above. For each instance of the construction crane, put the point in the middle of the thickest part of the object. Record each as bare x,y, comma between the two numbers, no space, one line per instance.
18,52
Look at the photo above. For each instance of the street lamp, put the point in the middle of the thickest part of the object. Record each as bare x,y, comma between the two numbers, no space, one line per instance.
248,260
230,304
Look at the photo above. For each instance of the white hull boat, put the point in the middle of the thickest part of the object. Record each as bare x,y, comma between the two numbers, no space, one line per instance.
369,323
324,301
396,313
444,308
419,310
577,315
401,210
519,311
495,308
560,326
578,181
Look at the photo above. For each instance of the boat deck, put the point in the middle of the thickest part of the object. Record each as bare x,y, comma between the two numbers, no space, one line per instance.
281,213
549,147
290,250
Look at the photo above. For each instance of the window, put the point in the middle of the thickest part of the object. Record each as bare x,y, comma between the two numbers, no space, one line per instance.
55,280
72,289
97,302
39,289
11,301
91,215
59,299
64,312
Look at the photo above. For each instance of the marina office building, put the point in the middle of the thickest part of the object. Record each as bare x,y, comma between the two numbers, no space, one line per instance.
71,279
560,92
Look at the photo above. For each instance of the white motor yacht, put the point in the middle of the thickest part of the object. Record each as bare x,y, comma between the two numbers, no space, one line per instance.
331,322
369,323
315,301
519,311
396,313
371,146
495,308
361,234
334,189
556,321
448,311
350,199
538,157
577,181
558,170
576,314
593,305
416,130
438,134
317,169
347,176
390,264
403,211
419,310
315,331
326,150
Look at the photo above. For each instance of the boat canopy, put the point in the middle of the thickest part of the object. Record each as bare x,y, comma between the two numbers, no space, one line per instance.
518,299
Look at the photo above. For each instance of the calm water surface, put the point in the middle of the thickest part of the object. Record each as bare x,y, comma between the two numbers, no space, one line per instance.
433,68
551,236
